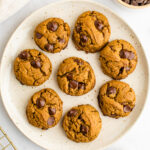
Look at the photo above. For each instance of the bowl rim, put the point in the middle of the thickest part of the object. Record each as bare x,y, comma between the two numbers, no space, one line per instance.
132,6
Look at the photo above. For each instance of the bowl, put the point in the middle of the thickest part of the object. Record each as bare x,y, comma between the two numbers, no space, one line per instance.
132,6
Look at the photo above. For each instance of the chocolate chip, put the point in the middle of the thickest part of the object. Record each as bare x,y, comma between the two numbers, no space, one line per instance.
61,40
50,121
98,25
72,113
84,129
121,70
81,86
73,84
49,47
111,90
83,38
40,102
53,26
78,28
127,68
36,63
126,54
70,76
52,111
134,2
80,117
24,55
126,108
78,61
38,35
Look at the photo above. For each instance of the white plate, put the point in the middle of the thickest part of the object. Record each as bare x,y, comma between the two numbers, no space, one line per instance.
15,96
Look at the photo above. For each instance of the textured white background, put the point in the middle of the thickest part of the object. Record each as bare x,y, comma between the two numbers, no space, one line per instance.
138,137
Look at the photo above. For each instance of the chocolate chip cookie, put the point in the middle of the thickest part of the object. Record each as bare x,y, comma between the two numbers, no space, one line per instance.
91,32
75,76
52,35
118,59
44,109
32,67
82,123
116,99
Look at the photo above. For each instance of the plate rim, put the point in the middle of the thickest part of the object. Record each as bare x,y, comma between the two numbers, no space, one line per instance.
111,11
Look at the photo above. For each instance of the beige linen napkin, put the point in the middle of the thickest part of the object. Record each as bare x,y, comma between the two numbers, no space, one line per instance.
9,7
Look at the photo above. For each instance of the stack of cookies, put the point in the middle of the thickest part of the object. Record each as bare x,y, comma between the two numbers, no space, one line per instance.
76,77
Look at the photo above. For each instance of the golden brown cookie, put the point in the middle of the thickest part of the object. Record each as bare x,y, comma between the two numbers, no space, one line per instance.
32,67
44,109
116,99
75,76
82,123
118,59
91,32
52,35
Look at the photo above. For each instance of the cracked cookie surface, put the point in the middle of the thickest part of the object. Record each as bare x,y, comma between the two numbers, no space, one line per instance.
92,31
116,99
52,35
44,109
82,123
118,59
75,76
32,67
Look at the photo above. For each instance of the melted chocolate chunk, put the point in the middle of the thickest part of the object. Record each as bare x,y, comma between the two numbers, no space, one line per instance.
98,25
53,26
24,55
84,38
40,102
111,90
81,86
38,35
69,76
50,121
72,112
78,28
36,63
73,84
127,54
126,108
52,111
83,129
49,47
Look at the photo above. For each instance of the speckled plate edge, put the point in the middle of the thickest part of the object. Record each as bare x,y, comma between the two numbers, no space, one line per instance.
60,2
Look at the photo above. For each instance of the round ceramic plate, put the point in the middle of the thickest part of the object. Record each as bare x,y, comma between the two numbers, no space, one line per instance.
15,96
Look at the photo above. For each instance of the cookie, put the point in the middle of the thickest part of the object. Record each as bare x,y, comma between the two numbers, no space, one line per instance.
92,31
118,59
32,67
44,109
75,76
82,123
116,99
52,35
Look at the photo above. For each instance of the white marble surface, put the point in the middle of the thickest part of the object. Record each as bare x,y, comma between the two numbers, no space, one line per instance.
138,137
